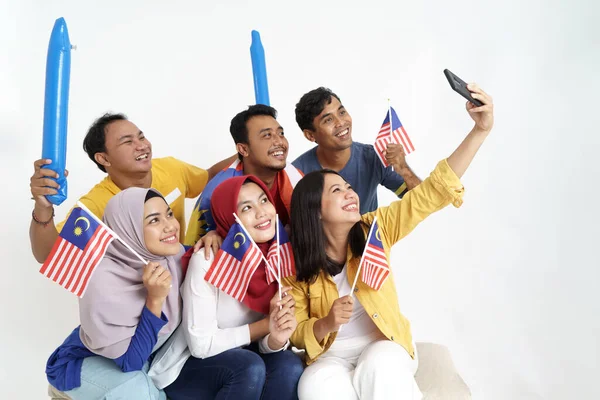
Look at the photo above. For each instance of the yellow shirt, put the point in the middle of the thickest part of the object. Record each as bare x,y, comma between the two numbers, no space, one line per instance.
174,179
314,300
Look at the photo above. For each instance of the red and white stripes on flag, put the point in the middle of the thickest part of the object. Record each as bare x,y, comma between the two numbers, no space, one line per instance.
287,261
287,265
374,264
375,270
235,264
386,135
77,251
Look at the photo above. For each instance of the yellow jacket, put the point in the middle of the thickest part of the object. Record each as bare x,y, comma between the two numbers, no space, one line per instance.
314,300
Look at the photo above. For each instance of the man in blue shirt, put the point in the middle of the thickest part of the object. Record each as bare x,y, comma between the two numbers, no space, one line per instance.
324,120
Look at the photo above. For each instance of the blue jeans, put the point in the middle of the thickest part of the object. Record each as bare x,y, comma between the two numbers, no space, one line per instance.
239,374
102,379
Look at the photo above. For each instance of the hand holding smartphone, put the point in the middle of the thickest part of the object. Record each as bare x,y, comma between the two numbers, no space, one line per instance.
460,87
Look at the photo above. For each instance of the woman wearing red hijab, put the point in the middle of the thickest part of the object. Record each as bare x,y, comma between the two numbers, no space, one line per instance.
224,348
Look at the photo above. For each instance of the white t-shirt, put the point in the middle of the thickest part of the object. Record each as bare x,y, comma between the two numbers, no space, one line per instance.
360,323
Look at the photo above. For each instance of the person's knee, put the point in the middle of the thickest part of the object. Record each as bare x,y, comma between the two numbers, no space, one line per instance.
374,363
289,377
289,367
138,387
309,388
295,369
325,384
317,390
384,361
251,369
255,373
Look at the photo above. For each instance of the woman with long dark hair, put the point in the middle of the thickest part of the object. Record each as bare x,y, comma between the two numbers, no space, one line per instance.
374,356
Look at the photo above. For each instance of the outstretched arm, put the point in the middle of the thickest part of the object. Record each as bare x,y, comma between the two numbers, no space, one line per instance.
483,116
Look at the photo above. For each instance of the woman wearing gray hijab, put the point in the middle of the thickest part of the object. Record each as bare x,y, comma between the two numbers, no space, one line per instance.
129,308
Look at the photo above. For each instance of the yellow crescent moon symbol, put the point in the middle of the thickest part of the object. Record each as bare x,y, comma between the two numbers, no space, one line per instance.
87,221
378,235
242,235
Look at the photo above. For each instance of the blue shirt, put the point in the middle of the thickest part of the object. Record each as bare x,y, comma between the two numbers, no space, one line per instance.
63,368
363,171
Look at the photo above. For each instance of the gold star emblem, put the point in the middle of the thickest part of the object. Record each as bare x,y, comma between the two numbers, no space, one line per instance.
236,245
77,231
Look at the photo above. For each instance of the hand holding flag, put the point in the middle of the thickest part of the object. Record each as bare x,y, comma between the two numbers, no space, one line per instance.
373,268
340,313
392,131
158,282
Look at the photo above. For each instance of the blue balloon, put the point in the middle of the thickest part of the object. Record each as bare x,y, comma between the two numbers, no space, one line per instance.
259,70
56,102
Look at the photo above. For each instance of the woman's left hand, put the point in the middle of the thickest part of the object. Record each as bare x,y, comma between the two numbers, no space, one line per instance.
282,322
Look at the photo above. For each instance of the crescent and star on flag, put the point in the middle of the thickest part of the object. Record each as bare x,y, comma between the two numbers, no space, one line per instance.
236,243
78,230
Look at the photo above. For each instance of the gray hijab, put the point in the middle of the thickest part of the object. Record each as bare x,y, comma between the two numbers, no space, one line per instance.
112,305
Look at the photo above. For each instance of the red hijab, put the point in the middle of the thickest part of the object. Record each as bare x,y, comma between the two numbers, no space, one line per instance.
223,204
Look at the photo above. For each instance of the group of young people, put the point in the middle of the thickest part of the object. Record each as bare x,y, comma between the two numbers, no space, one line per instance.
162,330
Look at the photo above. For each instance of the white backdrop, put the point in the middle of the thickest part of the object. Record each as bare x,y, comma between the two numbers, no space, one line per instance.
508,282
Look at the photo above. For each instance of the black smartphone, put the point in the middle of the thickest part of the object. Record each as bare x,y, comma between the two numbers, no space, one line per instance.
460,87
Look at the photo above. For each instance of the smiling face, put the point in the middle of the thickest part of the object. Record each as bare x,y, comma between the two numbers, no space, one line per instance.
267,145
339,202
332,127
256,212
127,149
161,228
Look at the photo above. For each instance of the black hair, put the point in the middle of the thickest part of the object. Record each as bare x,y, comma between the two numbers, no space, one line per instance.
311,105
150,194
95,139
238,128
307,235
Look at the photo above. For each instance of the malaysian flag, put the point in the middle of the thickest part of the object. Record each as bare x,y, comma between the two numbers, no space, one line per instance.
77,251
386,135
288,267
235,263
374,264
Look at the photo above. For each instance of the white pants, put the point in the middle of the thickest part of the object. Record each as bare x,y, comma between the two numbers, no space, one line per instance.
360,368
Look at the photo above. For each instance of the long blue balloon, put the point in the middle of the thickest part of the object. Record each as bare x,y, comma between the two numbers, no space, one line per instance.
259,70
56,103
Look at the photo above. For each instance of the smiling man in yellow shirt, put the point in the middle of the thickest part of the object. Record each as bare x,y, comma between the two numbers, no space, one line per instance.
119,148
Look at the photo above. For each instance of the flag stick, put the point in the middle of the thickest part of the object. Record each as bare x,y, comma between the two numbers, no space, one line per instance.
278,254
80,204
363,255
237,219
390,117
351,294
